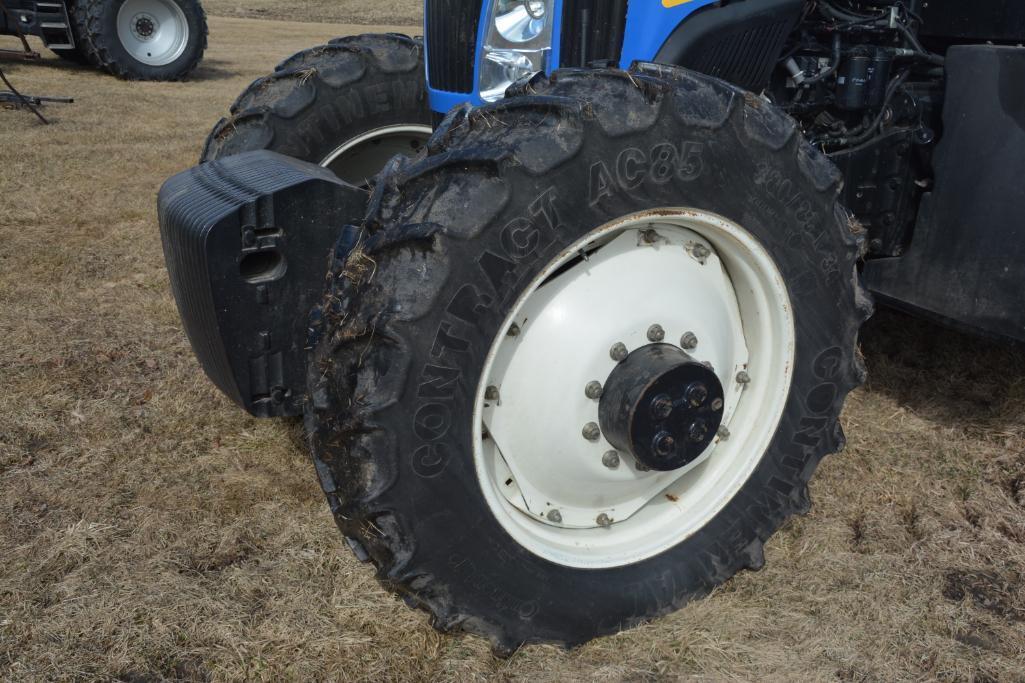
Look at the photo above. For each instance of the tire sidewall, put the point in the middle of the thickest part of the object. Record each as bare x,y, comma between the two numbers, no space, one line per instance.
436,491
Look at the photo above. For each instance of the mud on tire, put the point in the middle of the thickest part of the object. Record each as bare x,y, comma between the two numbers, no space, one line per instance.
412,301
320,97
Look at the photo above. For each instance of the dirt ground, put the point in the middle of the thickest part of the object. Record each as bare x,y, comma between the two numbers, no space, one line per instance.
150,530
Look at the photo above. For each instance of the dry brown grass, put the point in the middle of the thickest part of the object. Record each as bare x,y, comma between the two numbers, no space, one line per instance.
400,12
149,529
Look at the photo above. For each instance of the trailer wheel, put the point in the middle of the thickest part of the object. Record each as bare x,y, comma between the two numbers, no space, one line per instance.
587,354
349,105
146,40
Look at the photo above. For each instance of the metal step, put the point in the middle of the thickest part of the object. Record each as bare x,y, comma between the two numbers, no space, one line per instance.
55,25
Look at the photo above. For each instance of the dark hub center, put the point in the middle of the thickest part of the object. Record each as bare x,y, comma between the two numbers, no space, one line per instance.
144,26
662,406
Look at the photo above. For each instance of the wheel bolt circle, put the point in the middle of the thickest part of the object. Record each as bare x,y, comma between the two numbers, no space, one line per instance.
491,393
717,404
593,389
554,516
610,459
591,431
743,377
656,333
604,520
689,341
618,352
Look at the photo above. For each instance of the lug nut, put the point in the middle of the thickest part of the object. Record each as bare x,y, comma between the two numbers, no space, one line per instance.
743,377
604,520
610,459
717,404
618,352
554,516
701,252
663,444
491,393
514,330
697,431
656,333
689,341
593,389
649,236
723,433
591,431
696,394
661,406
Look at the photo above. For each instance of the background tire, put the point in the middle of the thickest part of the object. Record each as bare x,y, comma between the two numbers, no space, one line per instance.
411,309
103,42
320,99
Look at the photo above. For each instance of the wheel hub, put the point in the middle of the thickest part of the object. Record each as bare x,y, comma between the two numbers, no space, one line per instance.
662,406
145,26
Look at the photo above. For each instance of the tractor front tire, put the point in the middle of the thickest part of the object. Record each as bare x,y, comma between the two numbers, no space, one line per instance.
420,318
349,105
141,40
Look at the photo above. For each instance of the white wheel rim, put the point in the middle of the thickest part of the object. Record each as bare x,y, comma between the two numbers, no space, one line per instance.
155,32
359,159
529,453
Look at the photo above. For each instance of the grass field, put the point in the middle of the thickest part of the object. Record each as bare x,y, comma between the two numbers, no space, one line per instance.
150,530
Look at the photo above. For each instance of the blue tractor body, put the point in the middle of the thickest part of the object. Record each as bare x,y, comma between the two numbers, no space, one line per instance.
646,27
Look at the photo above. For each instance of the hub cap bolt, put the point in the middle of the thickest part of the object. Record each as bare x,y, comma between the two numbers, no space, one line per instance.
664,444
696,394
491,393
610,459
743,377
723,433
514,330
717,404
618,352
698,431
656,333
701,252
554,516
689,341
661,407
591,431
593,389
604,520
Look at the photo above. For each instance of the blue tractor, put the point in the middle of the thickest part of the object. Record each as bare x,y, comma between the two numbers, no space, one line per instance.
568,292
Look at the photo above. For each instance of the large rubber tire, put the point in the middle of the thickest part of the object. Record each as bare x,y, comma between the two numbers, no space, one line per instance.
413,299
97,23
319,98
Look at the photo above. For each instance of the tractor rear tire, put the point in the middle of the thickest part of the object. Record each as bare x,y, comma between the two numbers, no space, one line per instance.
349,105
451,243
141,40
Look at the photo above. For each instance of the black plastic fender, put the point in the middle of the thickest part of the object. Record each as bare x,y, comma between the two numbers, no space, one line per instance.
247,240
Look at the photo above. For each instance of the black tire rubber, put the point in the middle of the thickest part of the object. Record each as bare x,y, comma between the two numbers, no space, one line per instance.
97,22
410,314
318,98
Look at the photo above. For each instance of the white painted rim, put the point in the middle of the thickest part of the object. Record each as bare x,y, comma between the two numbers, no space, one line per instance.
382,134
529,453
155,32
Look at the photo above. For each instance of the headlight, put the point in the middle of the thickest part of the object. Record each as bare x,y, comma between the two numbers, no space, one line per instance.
517,44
